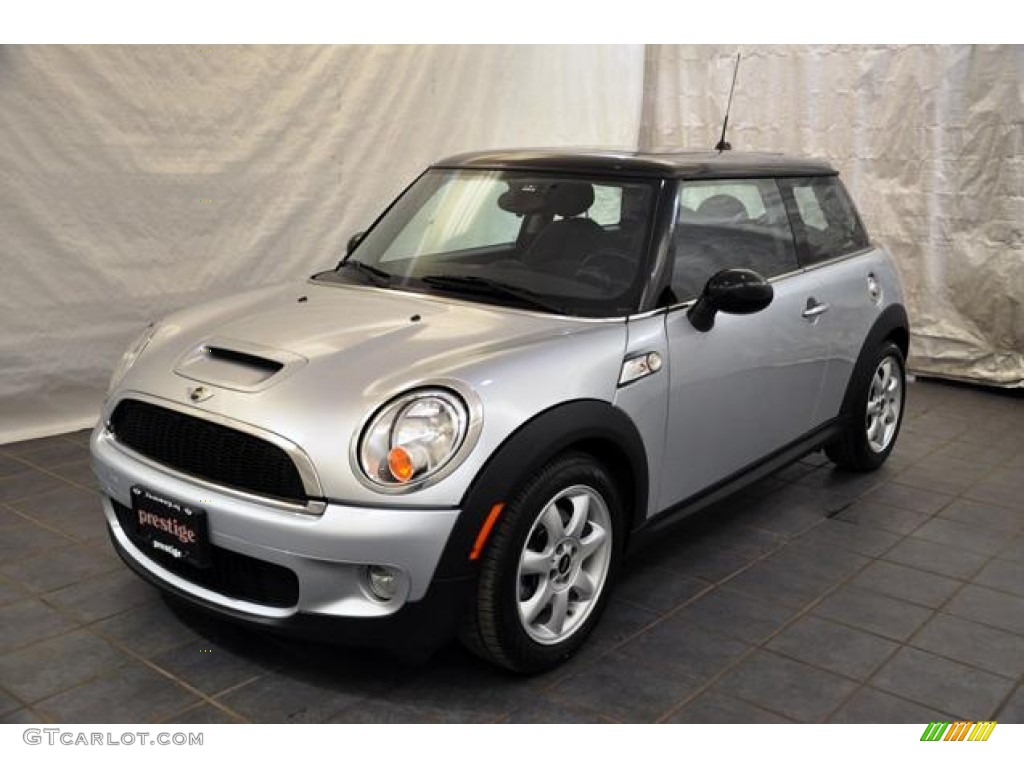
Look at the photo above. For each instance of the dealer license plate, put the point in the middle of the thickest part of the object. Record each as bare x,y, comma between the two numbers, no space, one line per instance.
172,527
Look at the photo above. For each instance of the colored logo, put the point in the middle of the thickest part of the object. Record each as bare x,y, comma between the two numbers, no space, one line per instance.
959,731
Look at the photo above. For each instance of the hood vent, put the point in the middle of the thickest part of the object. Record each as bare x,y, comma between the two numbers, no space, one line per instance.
237,365
258,364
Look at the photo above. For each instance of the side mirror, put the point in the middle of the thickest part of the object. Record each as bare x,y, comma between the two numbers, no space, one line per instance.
353,241
736,291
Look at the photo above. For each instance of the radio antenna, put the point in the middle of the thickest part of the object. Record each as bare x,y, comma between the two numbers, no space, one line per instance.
722,144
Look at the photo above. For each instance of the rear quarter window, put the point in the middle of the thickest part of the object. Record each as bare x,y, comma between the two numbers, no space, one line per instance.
824,218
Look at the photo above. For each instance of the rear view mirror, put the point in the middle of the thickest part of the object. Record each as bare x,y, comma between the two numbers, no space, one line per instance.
736,291
353,241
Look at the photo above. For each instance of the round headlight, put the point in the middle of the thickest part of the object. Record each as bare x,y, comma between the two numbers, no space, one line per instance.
131,355
413,437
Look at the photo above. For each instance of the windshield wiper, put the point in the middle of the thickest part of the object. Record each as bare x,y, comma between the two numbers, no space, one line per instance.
375,275
488,287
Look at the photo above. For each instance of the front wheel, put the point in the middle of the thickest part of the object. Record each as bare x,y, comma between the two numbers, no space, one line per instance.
876,412
546,574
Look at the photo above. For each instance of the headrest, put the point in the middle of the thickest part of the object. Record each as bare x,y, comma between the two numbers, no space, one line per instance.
723,208
570,198
562,198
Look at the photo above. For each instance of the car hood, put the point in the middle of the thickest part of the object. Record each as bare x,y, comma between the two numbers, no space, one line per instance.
311,363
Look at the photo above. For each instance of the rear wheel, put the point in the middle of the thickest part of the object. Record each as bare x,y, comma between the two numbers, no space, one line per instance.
547,571
876,412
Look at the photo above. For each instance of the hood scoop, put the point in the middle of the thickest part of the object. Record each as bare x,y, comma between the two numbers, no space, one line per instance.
238,365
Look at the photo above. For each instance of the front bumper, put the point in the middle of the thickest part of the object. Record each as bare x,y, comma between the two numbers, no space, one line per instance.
328,554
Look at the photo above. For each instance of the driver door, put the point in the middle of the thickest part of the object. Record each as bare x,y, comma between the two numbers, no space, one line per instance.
748,386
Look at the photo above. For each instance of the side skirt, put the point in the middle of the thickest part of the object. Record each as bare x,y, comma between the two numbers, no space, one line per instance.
648,530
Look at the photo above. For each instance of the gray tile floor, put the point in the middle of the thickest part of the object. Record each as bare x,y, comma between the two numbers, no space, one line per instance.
812,596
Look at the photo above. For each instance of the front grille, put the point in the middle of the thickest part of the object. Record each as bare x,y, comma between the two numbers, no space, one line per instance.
230,574
207,450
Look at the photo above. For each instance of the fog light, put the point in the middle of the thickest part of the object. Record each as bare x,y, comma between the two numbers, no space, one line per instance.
383,581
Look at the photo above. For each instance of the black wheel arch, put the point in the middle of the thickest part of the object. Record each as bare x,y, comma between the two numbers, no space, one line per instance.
590,426
890,325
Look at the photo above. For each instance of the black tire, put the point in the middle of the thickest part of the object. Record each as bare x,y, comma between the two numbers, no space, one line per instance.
493,628
852,448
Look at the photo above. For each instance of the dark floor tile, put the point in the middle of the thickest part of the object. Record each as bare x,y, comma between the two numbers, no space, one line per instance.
8,703
884,516
743,538
23,485
849,537
10,466
73,511
626,690
1013,710
58,453
1000,492
129,694
834,647
545,710
60,567
104,595
1002,574
943,559
791,520
735,614
710,563
976,644
29,621
782,583
382,711
987,606
657,589
20,542
50,666
953,533
930,478
149,629
964,692
905,583
204,714
694,651
80,473
11,592
208,666
908,497
869,705
21,717
990,455
29,447
1014,550
714,707
788,687
873,612
282,698
619,621
990,516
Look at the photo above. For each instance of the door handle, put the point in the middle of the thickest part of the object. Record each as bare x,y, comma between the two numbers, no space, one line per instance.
814,308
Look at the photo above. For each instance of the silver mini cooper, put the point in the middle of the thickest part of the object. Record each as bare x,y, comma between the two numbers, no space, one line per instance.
530,362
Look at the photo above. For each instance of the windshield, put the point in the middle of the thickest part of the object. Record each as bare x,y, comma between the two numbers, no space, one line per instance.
571,245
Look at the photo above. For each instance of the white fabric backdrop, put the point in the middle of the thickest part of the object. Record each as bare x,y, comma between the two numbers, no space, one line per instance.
137,180
930,140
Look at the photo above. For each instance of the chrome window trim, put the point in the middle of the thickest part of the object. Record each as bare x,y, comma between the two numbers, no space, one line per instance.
307,474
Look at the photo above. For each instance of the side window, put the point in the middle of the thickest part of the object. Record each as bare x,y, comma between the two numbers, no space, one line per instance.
826,216
734,223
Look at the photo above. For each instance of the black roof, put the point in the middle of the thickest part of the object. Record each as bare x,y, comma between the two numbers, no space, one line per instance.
700,164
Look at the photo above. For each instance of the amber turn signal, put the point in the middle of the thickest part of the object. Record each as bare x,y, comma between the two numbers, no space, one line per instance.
401,464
